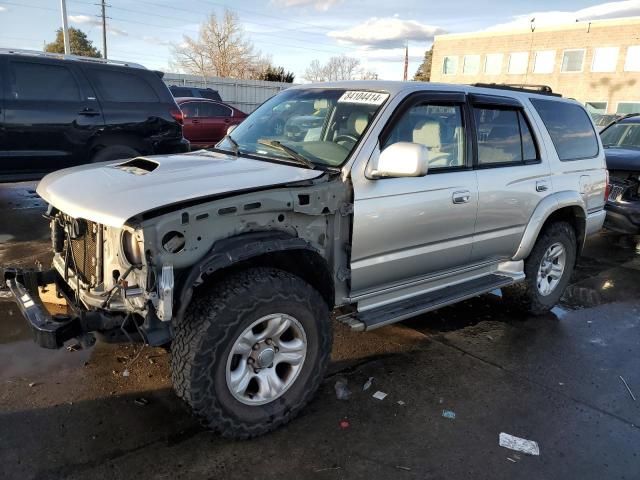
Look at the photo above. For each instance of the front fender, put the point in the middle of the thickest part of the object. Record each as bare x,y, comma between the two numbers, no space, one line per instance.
547,206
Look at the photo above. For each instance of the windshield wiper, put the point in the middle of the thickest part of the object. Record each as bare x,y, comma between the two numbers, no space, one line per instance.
289,151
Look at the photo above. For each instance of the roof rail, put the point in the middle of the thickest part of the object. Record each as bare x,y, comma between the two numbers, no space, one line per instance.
519,87
62,56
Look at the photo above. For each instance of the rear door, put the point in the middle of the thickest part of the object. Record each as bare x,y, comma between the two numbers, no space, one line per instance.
512,176
217,118
50,113
3,135
193,128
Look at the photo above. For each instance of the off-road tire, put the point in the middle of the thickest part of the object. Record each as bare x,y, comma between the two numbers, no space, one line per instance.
525,295
215,318
114,152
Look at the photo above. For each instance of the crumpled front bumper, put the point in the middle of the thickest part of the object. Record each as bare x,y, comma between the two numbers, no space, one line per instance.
49,331
623,217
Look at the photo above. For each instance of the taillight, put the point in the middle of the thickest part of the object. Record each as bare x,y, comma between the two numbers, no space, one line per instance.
607,186
177,115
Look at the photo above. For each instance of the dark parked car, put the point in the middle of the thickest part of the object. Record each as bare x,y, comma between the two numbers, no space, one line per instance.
621,141
58,111
206,122
179,92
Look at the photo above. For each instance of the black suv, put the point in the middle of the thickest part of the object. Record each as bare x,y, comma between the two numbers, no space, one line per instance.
209,93
57,111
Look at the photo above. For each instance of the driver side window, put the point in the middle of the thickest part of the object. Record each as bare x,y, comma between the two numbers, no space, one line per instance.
438,127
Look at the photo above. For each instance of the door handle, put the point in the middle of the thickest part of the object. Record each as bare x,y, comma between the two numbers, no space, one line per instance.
461,197
89,112
195,121
542,186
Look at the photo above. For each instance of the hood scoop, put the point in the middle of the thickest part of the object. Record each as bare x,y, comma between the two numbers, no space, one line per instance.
138,166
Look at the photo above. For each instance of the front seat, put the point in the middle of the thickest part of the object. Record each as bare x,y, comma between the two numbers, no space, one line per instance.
427,133
356,124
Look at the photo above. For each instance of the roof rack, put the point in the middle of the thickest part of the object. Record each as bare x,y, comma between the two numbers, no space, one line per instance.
519,87
62,56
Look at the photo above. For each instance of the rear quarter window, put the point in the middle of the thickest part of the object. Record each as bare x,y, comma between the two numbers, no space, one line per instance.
569,127
123,87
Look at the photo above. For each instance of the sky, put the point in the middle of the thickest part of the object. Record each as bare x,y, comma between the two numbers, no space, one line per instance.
291,32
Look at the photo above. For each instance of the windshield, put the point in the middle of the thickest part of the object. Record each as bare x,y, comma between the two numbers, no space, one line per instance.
321,126
622,135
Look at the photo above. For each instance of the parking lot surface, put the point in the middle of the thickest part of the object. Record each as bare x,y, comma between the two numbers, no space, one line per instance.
454,380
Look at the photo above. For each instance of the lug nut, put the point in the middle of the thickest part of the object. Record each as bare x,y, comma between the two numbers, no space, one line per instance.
256,370
250,361
256,346
269,341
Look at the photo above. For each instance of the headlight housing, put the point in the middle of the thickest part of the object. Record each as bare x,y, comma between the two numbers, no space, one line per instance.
131,248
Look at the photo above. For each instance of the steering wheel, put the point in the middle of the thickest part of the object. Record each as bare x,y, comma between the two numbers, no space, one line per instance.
345,137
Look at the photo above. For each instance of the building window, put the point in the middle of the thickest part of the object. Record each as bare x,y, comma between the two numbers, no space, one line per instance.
471,65
493,64
632,64
605,59
518,63
544,61
450,65
596,107
628,107
572,60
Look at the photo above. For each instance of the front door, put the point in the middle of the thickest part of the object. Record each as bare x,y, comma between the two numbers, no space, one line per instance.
49,116
410,228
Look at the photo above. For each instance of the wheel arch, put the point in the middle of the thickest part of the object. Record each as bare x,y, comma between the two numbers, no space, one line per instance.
565,206
259,249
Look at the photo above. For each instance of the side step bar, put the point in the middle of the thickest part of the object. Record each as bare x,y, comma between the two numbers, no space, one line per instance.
398,311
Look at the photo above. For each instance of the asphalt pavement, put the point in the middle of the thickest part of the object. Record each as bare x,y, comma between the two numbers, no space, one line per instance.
454,380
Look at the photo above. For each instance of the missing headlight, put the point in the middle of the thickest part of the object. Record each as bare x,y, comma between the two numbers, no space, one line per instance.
173,242
131,248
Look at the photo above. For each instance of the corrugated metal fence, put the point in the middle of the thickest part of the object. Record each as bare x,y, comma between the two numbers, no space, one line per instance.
245,95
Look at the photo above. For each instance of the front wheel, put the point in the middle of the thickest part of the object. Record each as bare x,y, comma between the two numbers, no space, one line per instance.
548,269
251,351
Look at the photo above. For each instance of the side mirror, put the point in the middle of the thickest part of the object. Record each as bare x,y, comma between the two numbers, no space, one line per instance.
231,129
402,159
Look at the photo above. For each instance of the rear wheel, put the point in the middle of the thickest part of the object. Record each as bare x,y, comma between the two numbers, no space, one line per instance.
114,152
548,269
251,351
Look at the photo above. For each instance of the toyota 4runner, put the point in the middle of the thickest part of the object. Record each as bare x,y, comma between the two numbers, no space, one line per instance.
401,198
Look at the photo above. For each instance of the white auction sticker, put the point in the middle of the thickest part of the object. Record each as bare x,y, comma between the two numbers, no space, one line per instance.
363,97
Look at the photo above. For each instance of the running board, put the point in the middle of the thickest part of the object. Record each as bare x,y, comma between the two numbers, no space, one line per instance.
398,311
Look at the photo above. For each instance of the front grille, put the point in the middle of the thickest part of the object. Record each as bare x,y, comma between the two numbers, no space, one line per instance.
83,250
616,192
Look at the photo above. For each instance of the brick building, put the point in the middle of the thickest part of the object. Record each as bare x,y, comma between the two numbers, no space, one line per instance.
597,62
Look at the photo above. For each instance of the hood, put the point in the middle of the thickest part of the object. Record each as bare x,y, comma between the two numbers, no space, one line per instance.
110,193
622,158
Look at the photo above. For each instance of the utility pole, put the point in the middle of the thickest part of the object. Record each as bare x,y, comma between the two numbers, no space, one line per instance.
104,30
406,62
65,27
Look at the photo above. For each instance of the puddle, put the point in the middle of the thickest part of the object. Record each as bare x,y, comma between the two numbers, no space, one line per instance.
20,357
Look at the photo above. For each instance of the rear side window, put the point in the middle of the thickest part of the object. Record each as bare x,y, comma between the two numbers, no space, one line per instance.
569,127
37,81
504,137
216,110
181,92
210,94
122,86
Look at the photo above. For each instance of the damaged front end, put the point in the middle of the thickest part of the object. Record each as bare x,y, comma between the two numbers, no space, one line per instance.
102,274
623,202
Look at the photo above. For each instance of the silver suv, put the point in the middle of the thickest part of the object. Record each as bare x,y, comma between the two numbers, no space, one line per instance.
387,200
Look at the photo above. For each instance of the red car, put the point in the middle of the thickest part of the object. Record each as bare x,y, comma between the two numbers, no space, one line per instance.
206,121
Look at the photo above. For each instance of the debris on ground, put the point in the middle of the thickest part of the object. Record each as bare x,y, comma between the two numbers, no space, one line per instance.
367,384
628,389
400,467
317,470
400,402
342,389
379,395
141,402
511,459
74,348
33,384
125,373
344,424
450,414
519,444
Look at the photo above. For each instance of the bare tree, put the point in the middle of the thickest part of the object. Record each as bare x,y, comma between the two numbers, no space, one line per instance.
220,50
336,69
